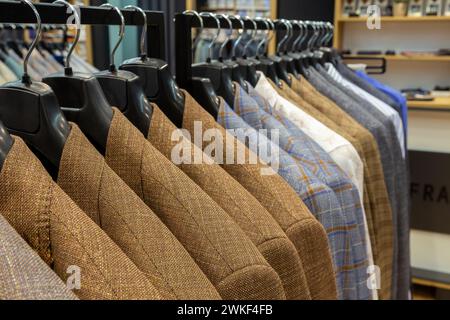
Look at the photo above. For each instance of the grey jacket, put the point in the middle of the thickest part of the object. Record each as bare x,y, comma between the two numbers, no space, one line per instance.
23,274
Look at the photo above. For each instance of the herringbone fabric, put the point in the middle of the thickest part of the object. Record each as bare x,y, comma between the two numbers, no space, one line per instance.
247,212
380,215
62,234
93,185
282,203
218,245
23,274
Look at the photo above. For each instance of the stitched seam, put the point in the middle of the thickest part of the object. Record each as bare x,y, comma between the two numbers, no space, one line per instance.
88,255
242,269
192,217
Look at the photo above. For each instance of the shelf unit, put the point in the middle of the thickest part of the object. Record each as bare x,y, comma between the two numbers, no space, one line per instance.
340,20
442,104
399,57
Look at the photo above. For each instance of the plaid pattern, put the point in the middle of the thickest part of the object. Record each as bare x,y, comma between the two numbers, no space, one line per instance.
319,198
309,154
378,209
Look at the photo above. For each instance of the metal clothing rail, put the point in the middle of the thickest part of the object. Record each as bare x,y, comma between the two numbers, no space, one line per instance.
183,35
18,12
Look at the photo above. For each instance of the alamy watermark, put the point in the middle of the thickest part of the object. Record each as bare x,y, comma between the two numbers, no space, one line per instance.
223,149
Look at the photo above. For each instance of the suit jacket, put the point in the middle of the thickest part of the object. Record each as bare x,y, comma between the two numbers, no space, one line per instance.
214,240
282,202
347,247
375,128
396,177
309,154
247,212
63,235
96,188
375,192
23,274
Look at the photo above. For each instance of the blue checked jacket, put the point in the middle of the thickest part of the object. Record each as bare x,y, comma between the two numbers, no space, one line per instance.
309,154
319,198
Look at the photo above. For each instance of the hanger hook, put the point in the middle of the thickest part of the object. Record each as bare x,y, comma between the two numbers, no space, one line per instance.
230,24
71,10
263,41
252,35
112,67
330,27
26,78
144,31
272,34
202,26
313,36
291,34
241,34
213,41
286,37
322,34
300,35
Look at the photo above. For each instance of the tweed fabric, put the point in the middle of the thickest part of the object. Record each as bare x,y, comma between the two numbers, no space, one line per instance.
282,203
247,212
395,175
217,244
63,235
337,217
23,274
93,185
379,215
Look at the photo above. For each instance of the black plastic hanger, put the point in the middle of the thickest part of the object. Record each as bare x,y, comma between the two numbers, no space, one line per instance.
219,73
157,82
123,89
247,66
280,63
290,63
235,68
295,51
81,97
6,143
31,111
267,65
202,88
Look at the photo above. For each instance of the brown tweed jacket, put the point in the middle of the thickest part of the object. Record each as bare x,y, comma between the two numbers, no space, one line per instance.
248,213
96,188
376,201
23,274
219,246
281,201
62,234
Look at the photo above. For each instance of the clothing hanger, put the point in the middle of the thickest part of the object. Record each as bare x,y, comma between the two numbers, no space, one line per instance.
247,67
279,62
267,65
236,74
123,89
31,111
156,80
6,143
81,97
218,72
200,87
295,53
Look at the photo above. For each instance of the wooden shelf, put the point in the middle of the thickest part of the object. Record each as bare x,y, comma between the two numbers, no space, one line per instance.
436,104
397,19
417,58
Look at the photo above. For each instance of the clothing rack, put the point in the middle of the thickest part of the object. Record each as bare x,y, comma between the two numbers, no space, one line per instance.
18,12
183,35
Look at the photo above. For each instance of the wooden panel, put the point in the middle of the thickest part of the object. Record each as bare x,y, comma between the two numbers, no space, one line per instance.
437,104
